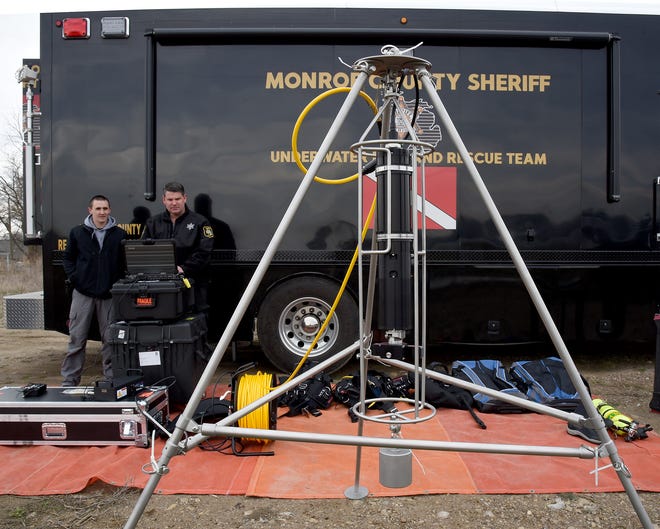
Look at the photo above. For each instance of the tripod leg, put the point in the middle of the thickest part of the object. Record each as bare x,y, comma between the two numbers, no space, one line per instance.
535,295
356,491
171,447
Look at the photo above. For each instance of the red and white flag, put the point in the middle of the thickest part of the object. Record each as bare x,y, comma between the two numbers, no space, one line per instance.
441,200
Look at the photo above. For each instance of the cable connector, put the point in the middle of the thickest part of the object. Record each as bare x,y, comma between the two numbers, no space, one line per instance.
185,280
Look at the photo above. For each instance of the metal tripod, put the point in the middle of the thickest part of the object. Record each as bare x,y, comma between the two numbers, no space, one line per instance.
390,63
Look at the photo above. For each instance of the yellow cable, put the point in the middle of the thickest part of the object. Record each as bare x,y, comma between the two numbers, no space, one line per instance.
296,130
339,294
296,155
251,388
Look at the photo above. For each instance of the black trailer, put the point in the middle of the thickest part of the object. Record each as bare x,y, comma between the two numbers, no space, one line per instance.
559,110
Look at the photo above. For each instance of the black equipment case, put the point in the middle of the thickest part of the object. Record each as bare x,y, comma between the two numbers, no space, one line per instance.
69,416
163,353
152,289
136,299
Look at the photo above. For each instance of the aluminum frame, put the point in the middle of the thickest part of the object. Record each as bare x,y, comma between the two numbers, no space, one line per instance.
392,62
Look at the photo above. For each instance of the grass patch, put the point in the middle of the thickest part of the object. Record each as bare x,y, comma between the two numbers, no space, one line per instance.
18,513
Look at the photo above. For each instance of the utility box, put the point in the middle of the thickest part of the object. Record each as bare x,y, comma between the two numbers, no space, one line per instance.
24,311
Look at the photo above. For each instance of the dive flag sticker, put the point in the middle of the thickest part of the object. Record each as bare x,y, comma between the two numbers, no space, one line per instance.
440,207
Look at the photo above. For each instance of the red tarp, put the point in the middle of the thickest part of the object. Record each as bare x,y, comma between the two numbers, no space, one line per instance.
310,470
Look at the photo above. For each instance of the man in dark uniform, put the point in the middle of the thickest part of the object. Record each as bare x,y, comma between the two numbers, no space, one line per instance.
93,261
192,234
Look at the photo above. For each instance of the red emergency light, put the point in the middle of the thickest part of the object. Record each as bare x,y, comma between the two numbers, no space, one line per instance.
75,28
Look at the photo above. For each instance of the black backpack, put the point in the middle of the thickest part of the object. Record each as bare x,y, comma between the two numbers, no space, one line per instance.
209,410
442,395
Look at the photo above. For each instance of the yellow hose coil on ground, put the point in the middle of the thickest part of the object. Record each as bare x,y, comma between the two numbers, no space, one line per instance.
251,388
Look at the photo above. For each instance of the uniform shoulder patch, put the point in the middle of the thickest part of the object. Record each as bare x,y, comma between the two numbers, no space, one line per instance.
208,232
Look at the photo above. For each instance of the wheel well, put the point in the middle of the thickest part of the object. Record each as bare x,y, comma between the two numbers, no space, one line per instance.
300,275
296,320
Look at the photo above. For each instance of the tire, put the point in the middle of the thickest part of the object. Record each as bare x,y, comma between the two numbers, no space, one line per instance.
285,341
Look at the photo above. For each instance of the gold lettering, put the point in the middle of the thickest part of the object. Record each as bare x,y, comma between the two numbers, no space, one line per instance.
487,158
292,80
485,82
433,157
308,156
473,80
454,158
132,228
308,79
342,80
514,83
544,82
328,80
274,81
503,82
61,244
453,79
325,80
281,156
527,158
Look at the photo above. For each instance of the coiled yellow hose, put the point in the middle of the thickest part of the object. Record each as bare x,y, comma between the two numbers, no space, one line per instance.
251,388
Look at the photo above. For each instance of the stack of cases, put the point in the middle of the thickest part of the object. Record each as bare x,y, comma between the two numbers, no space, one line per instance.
174,354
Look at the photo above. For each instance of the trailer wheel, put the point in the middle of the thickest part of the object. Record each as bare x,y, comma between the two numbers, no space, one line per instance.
293,312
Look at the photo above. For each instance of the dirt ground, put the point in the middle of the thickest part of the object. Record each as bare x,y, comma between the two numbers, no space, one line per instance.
624,378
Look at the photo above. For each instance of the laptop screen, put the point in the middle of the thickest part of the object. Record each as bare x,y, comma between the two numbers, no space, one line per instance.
150,256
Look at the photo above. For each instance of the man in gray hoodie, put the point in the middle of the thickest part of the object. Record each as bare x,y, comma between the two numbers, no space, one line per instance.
93,262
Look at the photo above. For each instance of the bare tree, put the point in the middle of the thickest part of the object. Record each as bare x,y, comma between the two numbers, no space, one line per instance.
11,188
